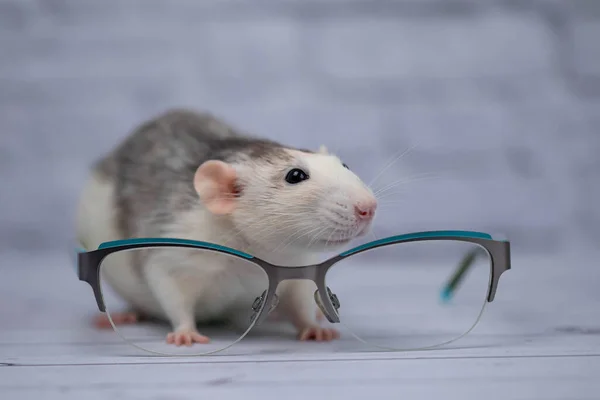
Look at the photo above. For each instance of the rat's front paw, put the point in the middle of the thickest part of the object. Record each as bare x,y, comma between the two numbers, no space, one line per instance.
318,334
186,337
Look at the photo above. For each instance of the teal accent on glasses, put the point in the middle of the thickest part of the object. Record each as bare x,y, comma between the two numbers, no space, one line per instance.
418,235
202,245
464,266
446,295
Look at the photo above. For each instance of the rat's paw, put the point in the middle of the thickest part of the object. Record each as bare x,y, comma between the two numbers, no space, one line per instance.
101,321
186,337
318,334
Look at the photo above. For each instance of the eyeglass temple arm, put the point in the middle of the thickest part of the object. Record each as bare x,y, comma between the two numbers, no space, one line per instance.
458,275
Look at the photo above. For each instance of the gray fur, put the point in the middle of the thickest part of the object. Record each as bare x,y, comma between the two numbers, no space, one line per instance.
153,169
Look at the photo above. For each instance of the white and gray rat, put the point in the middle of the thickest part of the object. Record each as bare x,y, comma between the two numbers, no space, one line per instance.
192,176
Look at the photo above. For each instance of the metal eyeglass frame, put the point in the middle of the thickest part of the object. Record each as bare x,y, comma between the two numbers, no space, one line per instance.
88,266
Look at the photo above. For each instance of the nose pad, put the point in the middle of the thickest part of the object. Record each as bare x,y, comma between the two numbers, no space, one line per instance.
258,303
332,297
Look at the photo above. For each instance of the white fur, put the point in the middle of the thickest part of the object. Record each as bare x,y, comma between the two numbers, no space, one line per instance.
297,220
95,225
290,225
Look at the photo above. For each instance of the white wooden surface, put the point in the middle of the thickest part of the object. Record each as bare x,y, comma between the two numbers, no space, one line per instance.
540,339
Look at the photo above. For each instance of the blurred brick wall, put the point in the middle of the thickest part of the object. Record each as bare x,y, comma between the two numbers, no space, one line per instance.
499,99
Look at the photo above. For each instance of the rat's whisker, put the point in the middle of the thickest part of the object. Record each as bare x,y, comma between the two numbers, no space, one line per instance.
397,156
272,232
264,225
303,233
408,179
240,229
317,235
331,234
393,202
402,182
392,193
415,176
299,232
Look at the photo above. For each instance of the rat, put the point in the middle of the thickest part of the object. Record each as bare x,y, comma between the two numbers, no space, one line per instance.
190,175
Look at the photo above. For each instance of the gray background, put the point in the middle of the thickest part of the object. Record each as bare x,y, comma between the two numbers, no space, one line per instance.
500,98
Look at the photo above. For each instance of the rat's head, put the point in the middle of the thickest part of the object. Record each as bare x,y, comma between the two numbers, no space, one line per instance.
280,198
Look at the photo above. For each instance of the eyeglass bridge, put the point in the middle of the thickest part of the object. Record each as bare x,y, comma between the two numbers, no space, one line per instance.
258,302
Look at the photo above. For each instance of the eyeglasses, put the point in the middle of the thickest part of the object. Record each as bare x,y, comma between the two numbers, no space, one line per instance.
399,293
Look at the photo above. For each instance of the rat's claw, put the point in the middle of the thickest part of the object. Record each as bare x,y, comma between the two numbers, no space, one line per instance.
318,334
186,338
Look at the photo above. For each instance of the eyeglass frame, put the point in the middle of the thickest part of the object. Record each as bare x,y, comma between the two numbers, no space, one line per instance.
88,265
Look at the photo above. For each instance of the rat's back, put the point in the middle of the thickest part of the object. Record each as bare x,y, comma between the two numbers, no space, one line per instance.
150,174
137,189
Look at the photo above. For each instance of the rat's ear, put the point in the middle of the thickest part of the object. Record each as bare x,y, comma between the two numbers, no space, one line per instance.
323,149
215,183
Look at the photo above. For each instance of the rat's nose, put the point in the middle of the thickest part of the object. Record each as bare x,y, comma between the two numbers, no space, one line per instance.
366,209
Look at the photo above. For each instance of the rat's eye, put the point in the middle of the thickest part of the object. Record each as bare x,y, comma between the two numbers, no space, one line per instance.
345,166
296,176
